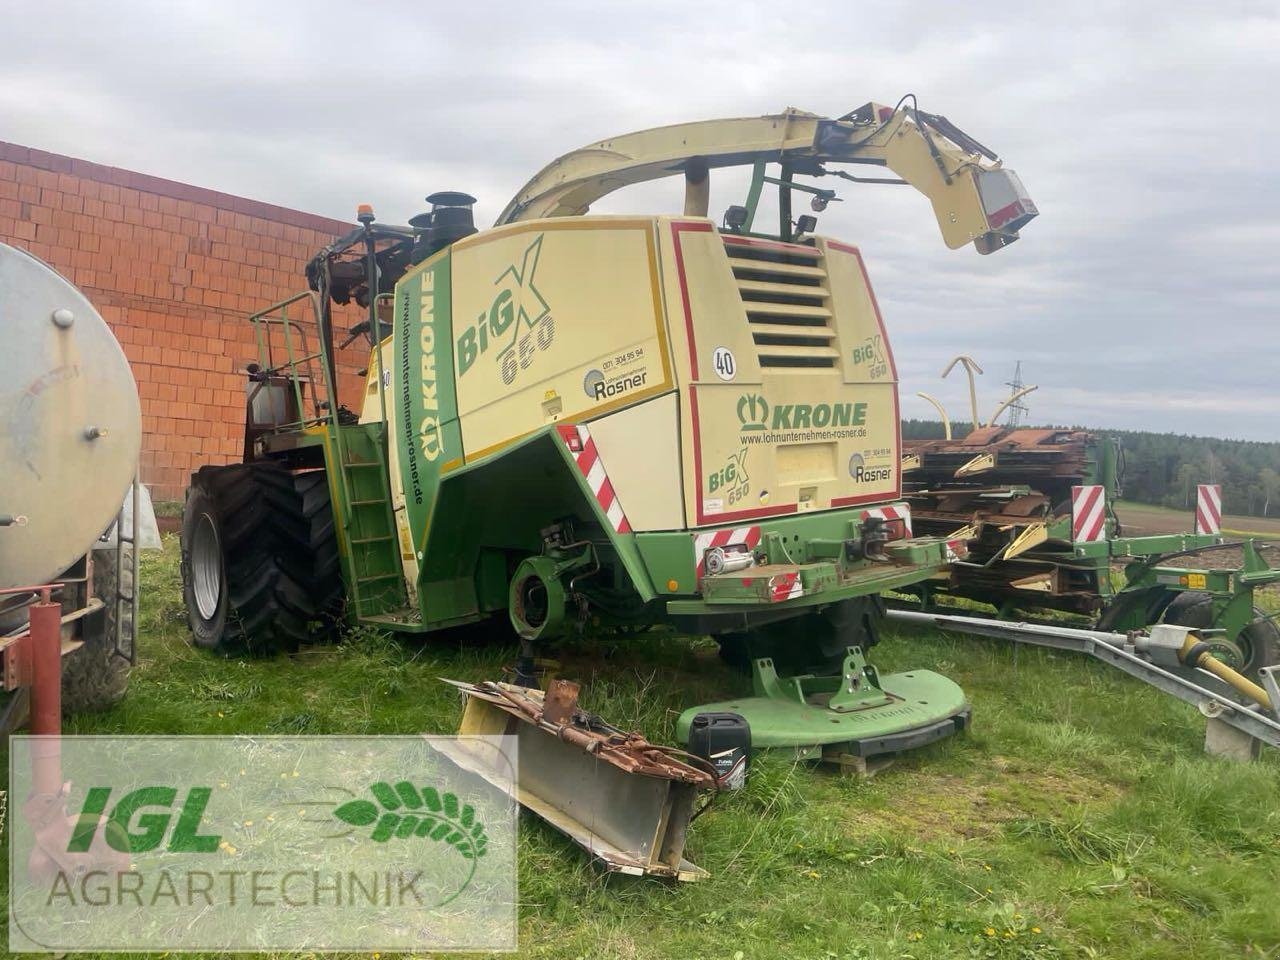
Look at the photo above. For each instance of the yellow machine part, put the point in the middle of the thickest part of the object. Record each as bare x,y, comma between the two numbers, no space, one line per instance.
724,378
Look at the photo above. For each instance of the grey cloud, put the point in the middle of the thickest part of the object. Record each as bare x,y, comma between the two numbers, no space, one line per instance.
1144,296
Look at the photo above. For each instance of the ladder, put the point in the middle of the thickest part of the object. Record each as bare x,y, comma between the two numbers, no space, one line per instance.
375,576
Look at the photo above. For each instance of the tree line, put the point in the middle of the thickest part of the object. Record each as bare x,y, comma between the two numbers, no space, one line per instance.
1164,468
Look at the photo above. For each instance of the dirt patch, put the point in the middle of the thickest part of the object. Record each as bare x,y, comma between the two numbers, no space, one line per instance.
1139,519
934,805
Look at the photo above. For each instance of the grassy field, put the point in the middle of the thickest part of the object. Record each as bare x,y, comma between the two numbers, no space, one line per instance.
1078,818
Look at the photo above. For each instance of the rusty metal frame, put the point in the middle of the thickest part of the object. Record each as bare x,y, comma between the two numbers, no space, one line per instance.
626,801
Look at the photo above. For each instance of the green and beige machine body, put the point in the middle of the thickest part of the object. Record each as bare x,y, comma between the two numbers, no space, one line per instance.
610,371
619,420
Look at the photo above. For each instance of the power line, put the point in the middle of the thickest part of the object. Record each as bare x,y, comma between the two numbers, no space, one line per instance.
1017,410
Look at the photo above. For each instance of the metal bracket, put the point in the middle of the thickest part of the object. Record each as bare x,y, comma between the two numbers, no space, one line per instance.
1268,677
856,688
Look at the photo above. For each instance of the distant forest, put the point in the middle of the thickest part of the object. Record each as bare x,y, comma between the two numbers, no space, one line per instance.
1164,468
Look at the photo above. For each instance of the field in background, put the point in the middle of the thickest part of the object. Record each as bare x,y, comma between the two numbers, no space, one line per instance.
1142,519
1078,818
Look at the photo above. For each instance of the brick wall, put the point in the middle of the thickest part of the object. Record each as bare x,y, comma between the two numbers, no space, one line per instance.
175,270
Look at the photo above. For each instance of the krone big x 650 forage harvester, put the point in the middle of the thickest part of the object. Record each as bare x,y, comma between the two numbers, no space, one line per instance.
621,420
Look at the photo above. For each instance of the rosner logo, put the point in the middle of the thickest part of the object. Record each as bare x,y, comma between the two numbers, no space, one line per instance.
597,387
518,323
861,473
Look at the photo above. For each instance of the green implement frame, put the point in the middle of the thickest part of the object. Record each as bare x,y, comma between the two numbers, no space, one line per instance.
1151,586
845,719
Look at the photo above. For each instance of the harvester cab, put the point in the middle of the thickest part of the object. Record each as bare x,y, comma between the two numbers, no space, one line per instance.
572,419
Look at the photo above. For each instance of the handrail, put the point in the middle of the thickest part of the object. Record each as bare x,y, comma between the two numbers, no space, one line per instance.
262,322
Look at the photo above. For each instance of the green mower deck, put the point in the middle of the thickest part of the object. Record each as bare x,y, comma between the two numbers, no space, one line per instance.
858,713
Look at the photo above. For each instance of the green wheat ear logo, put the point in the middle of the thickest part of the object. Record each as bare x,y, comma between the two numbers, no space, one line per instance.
401,811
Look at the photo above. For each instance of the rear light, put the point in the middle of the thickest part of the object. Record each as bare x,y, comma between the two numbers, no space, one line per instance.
569,434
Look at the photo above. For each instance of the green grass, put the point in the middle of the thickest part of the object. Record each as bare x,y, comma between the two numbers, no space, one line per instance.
1078,818
167,508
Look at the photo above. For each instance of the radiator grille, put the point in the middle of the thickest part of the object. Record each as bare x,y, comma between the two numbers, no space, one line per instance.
787,302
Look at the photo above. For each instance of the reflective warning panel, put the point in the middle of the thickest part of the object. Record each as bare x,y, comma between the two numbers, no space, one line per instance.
1088,513
1208,508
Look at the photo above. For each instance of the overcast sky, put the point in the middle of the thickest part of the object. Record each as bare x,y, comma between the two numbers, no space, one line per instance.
1145,295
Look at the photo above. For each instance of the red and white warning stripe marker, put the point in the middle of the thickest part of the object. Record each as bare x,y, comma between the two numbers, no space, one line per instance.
578,439
1209,508
785,586
1088,513
748,537
894,511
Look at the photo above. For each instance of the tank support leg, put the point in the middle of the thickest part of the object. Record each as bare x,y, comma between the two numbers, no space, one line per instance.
45,644
45,808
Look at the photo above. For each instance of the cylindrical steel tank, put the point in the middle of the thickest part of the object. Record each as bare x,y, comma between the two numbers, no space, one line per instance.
70,423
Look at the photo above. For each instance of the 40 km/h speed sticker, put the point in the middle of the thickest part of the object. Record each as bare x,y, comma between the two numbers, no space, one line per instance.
725,365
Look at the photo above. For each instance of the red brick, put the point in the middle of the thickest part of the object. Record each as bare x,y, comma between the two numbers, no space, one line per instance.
175,270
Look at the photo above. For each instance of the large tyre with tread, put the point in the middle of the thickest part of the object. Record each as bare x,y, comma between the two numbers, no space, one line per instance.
1258,644
260,571
95,677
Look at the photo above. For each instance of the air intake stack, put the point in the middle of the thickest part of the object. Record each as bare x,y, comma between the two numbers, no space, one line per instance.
449,219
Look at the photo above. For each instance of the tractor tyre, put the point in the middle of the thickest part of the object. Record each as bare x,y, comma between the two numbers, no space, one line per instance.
1257,646
95,677
260,573
326,570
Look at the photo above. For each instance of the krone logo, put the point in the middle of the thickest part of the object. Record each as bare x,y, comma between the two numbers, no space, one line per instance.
753,411
429,427
429,437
